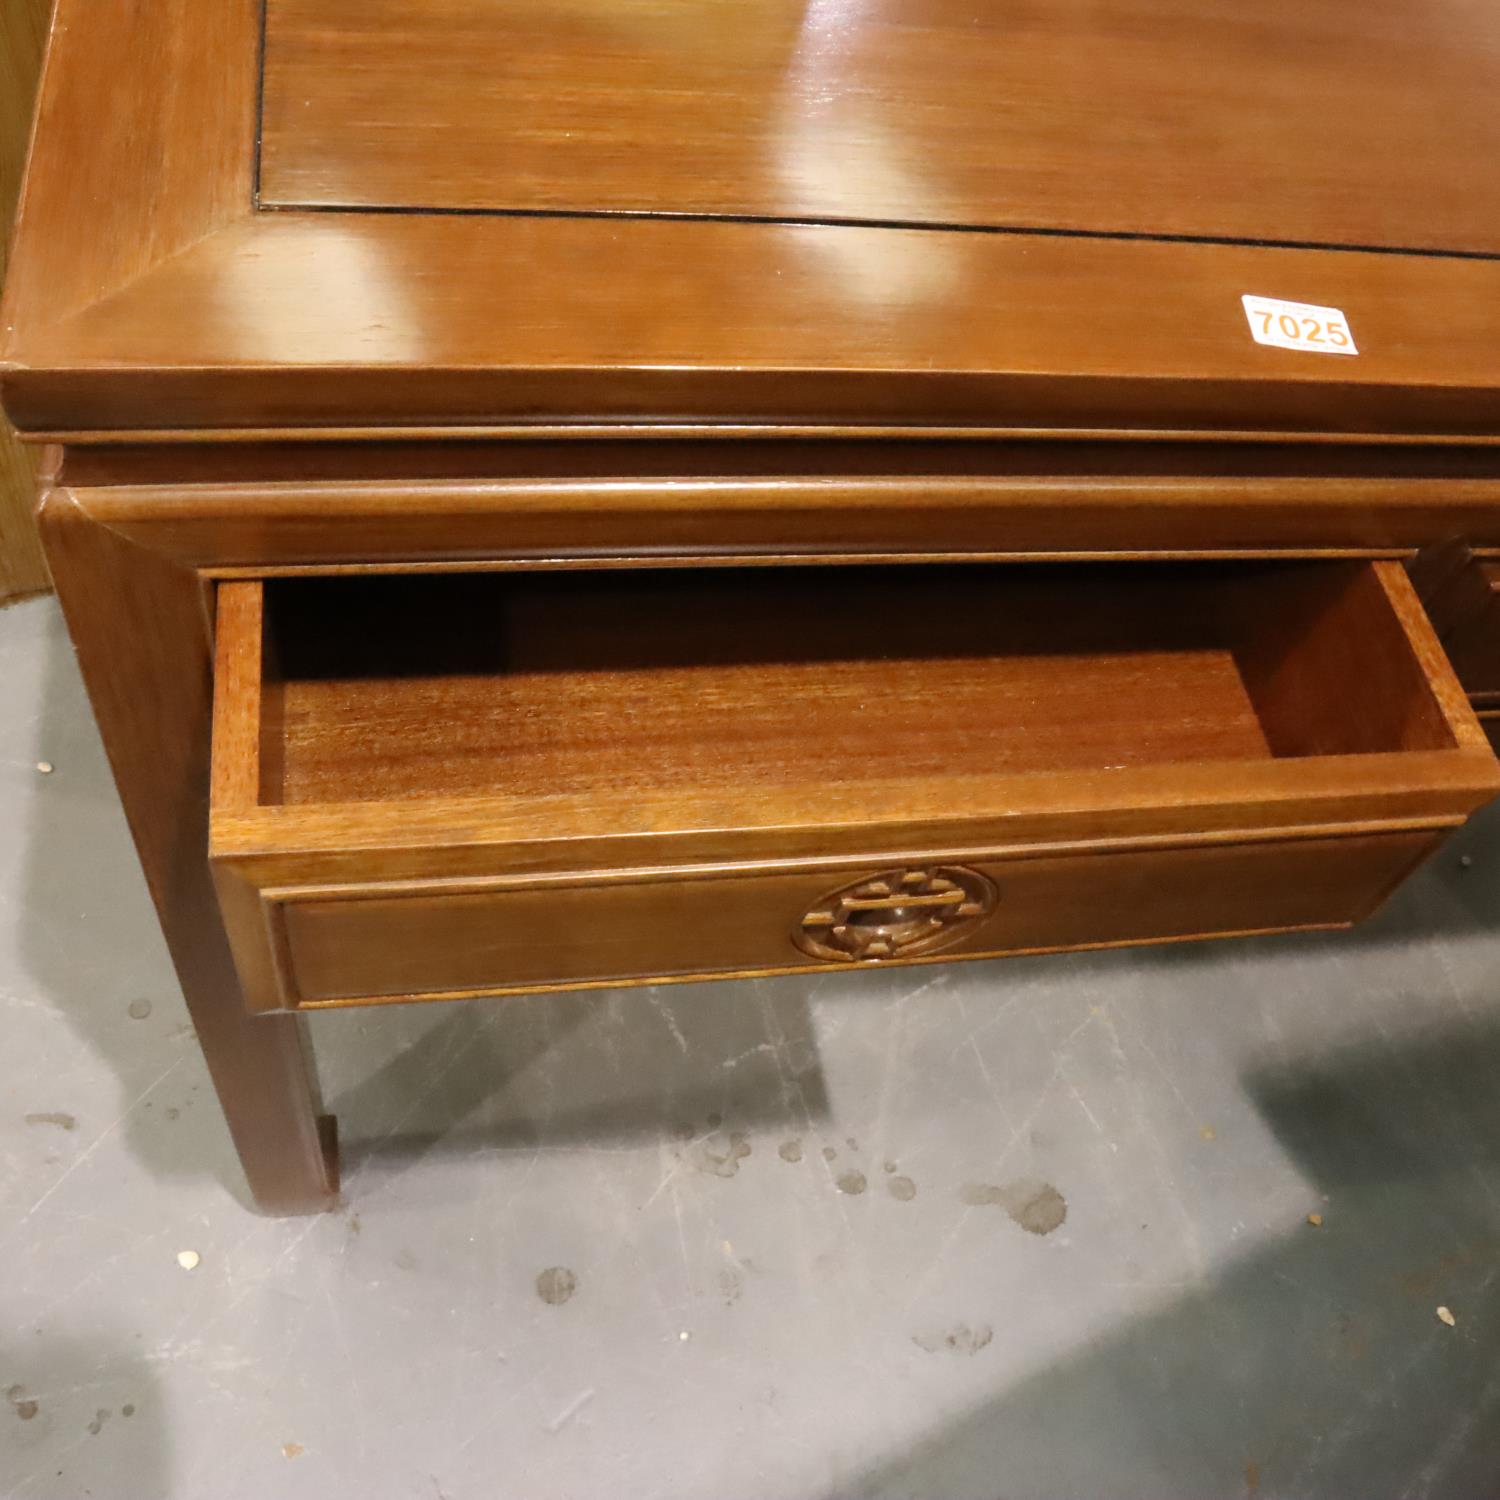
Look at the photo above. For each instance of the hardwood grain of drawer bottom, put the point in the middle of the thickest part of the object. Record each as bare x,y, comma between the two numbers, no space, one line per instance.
446,786
357,946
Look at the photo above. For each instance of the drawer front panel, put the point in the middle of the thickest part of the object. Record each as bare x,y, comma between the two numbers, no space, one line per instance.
341,948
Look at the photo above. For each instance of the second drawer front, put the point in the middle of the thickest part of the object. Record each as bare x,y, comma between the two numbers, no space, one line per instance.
336,948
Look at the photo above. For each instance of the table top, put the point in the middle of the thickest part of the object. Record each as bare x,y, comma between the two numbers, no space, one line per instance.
1294,121
474,215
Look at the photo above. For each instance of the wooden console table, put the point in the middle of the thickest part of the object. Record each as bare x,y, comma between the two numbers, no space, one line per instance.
583,494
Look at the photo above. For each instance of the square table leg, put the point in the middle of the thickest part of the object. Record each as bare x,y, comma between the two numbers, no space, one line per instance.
141,626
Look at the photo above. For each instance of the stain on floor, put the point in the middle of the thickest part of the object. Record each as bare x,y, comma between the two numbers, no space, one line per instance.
23,1406
556,1285
1037,1207
719,1156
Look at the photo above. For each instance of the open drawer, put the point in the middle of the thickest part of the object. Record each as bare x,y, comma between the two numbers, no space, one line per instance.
450,784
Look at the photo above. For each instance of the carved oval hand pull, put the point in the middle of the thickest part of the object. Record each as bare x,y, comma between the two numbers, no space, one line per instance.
896,914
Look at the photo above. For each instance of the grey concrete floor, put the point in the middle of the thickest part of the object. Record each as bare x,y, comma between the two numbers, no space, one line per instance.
1029,1228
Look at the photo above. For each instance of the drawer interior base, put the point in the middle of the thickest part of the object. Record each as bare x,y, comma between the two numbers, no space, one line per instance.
400,687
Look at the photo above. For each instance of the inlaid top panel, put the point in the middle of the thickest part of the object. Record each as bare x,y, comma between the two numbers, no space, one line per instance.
1294,121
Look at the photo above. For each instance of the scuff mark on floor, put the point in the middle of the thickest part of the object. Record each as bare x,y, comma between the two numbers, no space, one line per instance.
960,1339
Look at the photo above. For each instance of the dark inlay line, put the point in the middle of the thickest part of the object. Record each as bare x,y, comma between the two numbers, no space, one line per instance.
260,101
834,221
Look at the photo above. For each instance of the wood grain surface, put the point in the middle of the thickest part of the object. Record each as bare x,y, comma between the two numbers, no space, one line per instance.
23,26
427,732
850,500
1252,119
297,319
188,305
679,683
440,944
613,717
142,629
